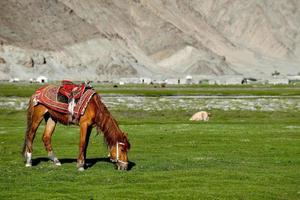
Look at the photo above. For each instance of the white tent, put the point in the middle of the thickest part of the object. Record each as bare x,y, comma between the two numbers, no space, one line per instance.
42,79
189,79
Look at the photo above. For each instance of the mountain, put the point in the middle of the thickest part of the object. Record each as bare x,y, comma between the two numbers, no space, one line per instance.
101,40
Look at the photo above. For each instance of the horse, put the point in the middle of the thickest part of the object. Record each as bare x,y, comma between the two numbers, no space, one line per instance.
96,115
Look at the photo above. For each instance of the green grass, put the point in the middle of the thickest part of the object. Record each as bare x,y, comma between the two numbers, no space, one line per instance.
236,155
25,90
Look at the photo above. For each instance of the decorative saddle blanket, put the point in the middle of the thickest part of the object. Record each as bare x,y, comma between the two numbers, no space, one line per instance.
69,89
51,97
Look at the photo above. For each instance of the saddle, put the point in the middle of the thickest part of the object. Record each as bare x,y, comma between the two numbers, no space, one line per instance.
68,98
71,90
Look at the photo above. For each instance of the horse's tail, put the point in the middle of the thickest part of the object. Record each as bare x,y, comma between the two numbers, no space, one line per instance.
29,122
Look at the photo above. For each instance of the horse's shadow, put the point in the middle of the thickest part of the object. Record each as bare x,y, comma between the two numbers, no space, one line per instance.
90,162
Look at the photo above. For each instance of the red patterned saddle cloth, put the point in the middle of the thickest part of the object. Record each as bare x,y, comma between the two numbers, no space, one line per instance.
49,96
69,89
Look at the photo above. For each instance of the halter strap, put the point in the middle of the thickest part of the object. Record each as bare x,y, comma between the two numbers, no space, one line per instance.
117,156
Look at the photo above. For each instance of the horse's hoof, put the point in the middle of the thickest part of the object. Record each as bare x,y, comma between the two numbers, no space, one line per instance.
28,165
121,166
57,163
81,169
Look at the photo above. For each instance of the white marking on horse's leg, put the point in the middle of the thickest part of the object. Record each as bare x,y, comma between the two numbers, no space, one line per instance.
28,159
53,158
81,169
80,165
57,162
51,155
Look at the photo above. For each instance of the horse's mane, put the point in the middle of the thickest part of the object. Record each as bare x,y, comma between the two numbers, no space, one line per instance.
106,124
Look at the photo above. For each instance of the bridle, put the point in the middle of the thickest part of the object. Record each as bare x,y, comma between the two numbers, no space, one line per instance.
117,156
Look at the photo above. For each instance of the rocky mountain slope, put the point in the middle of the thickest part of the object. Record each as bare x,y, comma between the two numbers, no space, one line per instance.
100,39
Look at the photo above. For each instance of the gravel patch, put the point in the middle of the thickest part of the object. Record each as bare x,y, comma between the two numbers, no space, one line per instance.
182,103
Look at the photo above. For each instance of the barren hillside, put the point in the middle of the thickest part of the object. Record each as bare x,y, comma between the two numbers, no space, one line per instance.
99,40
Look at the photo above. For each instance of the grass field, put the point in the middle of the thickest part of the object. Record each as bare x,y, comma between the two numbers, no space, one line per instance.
236,155
25,89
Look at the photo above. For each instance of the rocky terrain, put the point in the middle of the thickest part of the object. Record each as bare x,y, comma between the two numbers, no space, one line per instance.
101,40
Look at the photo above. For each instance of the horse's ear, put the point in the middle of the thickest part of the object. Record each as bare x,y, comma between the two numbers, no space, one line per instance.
125,137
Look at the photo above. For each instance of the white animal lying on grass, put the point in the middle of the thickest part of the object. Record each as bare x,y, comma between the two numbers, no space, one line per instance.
200,116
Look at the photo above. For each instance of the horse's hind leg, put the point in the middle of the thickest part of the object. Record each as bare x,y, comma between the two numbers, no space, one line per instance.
49,129
34,121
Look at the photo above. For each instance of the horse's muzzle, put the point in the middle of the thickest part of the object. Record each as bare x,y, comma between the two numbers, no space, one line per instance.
122,165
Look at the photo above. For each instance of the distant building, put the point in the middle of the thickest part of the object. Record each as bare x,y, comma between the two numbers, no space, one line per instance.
203,81
145,80
188,79
294,79
249,81
174,81
233,81
278,81
226,81
156,81
210,80
42,79
130,80
14,80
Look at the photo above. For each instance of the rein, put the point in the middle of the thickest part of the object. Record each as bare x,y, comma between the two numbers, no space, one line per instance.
117,156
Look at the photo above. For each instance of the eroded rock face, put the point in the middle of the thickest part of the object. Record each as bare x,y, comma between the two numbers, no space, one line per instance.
2,61
29,63
116,70
148,38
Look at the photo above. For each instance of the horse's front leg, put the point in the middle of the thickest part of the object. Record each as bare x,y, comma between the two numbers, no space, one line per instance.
34,121
85,131
49,129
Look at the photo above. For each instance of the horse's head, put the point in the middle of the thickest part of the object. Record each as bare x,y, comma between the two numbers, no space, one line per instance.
118,154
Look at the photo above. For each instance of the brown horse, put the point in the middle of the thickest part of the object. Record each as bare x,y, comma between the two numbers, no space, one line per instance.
95,115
